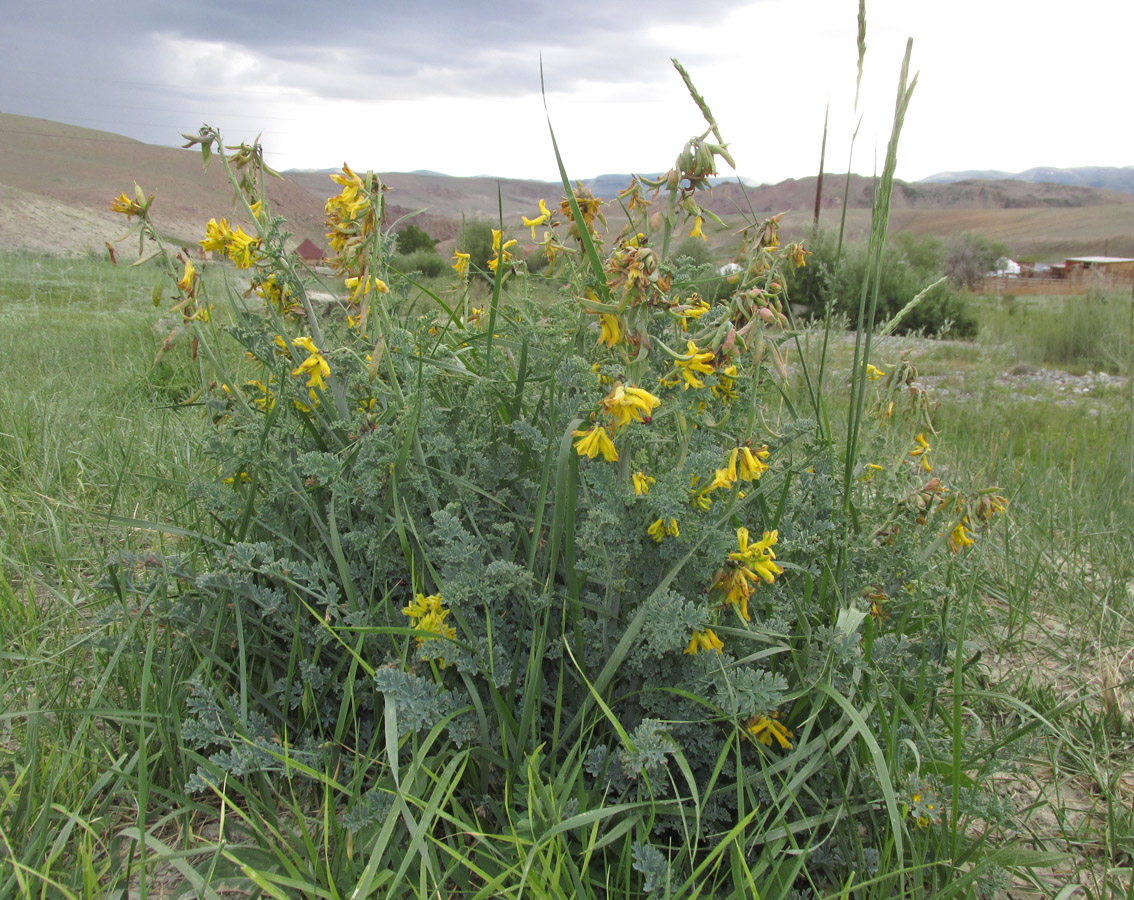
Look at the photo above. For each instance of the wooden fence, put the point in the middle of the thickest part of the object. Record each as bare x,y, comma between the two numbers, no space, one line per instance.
1058,287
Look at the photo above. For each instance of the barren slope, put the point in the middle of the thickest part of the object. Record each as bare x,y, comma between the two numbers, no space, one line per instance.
57,181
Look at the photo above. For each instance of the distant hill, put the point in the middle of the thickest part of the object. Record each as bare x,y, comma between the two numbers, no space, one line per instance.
1033,219
1108,178
57,181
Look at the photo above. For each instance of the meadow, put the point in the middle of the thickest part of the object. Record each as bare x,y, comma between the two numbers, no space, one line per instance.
101,446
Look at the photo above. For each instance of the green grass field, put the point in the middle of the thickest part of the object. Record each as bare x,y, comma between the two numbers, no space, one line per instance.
97,441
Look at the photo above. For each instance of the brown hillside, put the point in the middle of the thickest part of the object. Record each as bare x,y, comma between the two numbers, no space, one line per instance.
1035,220
57,181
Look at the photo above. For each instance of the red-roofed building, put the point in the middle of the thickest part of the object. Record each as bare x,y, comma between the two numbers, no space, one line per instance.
309,251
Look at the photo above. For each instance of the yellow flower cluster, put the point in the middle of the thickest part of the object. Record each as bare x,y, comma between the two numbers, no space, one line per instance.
694,362
610,331
642,483
429,614
594,441
961,535
921,452
352,215
461,263
360,287
751,562
623,405
139,206
744,464
235,243
696,307
661,529
704,640
315,367
765,729
500,249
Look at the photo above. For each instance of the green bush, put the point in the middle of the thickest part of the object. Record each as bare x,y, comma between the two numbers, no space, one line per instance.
411,239
909,265
506,590
427,262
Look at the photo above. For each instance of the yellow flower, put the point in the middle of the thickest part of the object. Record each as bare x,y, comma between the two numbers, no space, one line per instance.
725,388
798,255
187,281
738,584
759,556
752,464
130,208
315,367
360,288
461,262
698,307
242,247
661,529
216,235
541,219
697,232
642,483
726,477
266,402
959,537
236,243
701,499
629,404
611,332
922,450
501,251
871,470
873,373
990,505
594,441
764,729
428,614
704,640
694,361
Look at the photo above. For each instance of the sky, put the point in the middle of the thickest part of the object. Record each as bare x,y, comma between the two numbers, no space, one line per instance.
454,87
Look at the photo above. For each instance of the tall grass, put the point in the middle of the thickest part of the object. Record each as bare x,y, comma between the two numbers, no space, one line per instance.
1089,332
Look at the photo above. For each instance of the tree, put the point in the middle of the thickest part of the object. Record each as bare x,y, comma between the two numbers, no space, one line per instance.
971,257
411,239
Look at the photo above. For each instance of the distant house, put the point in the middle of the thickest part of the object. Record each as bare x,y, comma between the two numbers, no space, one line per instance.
1113,267
1007,268
309,251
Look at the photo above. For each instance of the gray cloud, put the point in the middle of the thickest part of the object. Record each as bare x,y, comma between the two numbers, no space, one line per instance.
107,65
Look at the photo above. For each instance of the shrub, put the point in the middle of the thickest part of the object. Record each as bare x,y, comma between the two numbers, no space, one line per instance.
909,266
564,576
411,239
427,262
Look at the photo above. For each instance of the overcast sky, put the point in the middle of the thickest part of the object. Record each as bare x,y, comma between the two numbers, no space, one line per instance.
455,86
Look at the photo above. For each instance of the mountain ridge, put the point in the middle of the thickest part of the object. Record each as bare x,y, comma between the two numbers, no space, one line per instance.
57,181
